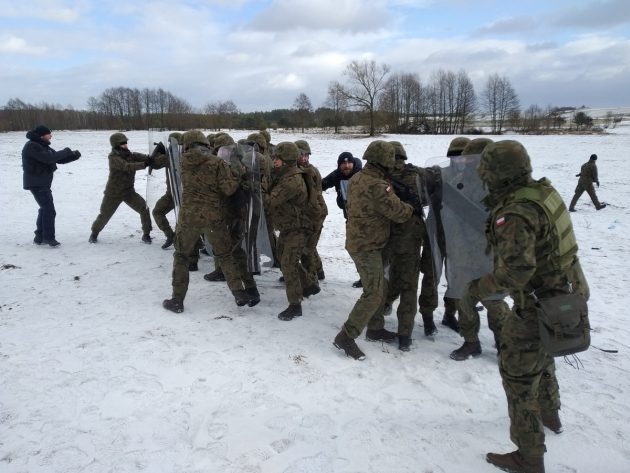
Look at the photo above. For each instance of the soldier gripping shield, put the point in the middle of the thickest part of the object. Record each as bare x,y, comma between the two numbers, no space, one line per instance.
165,204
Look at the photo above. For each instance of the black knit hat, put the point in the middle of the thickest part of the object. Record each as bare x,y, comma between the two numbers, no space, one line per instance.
593,157
345,157
42,130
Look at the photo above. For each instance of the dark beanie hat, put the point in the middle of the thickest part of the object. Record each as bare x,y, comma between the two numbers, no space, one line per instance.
593,157
344,157
42,130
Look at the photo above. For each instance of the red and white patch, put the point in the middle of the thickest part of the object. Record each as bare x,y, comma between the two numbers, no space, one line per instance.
389,189
500,222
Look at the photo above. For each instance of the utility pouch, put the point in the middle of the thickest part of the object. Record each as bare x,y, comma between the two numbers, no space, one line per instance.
563,324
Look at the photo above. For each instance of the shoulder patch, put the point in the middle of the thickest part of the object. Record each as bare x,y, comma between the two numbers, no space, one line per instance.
388,189
500,221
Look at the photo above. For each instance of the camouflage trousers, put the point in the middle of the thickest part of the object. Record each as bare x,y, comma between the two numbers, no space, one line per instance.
579,190
529,379
111,202
368,310
428,300
310,258
470,322
189,226
273,240
290,248
404,271
163,206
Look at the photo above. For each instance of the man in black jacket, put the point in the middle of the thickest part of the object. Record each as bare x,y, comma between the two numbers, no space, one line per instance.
39,162
347,166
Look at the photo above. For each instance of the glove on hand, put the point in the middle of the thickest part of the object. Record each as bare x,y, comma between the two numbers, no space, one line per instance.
77,153
150,161
159,149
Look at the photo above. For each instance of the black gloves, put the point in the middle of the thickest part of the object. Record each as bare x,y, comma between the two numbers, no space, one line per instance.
150,161
159,149
578,175
77,153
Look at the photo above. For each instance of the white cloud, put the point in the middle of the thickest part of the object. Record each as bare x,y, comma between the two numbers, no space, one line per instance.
16,45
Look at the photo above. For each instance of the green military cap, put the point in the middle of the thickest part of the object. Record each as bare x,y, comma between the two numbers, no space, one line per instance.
117,139
286,152
476,146
457,145
194,136
303,146
399,150
380,152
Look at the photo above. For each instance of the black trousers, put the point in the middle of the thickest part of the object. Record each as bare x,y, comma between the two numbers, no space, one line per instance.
46,214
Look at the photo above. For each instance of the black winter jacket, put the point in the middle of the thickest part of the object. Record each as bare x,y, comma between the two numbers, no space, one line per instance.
39,162
340,182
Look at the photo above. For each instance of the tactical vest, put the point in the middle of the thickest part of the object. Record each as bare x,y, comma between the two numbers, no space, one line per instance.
560,251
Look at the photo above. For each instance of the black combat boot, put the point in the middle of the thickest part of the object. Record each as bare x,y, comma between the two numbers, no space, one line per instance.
429,324
50,242
254,296
240,297
449,318
310,291
600,206
146,238
404,343
37,239
357,283
174,305
466,350
320,275
193,267
380,335
168,242
551,420
93,237
387,309
215,276
281,279
348,345
514,462
294,310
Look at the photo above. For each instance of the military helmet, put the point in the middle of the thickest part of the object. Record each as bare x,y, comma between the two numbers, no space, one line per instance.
476,146
303,146
380,152
177,135
211,137
259,139
194,136
286,152
117,139
456,146
503,163
266,135
222,139
399,150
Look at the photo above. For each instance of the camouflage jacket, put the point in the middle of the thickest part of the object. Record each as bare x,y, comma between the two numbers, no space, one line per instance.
287,199
207,181
372,205
520,234
588,174
406,237
123,165
313,173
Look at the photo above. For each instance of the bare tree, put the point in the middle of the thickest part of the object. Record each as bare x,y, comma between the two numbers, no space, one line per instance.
499,101
337,100
303,108
366,80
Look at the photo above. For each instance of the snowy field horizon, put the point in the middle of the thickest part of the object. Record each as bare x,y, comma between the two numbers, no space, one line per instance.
98,377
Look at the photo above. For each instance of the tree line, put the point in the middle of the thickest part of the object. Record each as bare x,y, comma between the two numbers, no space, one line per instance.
368,96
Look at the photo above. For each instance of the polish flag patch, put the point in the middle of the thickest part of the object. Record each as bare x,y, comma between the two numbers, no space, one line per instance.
388,189
500,222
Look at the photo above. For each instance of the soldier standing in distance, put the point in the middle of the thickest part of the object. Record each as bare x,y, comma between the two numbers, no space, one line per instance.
372,206
588,176
530,232
207,181
287,201
123,165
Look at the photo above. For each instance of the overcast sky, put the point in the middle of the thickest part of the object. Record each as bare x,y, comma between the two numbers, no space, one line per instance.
262,54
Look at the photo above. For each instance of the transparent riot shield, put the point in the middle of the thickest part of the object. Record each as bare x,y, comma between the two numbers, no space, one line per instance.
175,172
457,222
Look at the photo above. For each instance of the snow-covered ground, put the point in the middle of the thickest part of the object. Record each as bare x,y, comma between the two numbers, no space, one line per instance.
95,376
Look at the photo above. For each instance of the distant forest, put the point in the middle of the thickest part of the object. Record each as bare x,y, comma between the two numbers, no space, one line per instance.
370,100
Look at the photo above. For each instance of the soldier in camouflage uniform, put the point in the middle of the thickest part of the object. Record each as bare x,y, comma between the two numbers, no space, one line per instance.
123,165
463,254
165,204
404,249
287,201
530,232
310,259
588,177
207,182
372,205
